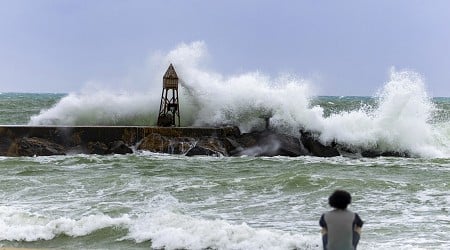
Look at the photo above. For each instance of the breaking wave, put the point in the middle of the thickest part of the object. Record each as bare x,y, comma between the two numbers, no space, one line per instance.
402,117
164,229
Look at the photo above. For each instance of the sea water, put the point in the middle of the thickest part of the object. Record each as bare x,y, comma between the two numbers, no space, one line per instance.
146,200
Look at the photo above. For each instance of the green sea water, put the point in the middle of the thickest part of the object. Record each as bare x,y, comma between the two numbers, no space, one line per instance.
157,201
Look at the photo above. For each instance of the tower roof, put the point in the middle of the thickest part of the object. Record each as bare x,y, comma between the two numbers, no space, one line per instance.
170,73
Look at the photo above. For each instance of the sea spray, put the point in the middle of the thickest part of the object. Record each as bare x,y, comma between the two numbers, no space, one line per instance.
207,98
242,99
100,107
406,110
399,120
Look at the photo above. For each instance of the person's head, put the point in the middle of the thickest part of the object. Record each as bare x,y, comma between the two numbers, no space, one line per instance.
340,199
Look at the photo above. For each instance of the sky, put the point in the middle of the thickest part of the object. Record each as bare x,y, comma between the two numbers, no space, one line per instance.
344,47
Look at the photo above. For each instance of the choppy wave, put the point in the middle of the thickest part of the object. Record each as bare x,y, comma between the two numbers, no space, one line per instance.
163,229
146,201
401,118
19,225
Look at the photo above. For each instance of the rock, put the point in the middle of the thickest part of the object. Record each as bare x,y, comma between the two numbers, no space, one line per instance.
290,146
44,141
219,146
119,147
335,149
267,143
374,153
98,148
161,144
179,145
315,147
154,143
37,147
209,146
199,150
78,149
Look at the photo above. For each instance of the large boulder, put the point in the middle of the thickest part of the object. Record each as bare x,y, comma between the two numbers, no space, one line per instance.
154,143
211,146
161,144
200,150
35,146
377,153
315,147
119,147
98,148
267,143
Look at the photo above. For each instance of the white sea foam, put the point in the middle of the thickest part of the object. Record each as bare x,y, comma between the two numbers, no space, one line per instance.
400,122
19,225
175,231
164,229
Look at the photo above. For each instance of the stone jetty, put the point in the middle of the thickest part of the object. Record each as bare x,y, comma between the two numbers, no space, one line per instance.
61,140
189,141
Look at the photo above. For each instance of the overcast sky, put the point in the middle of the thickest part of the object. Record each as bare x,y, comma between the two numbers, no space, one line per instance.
344,47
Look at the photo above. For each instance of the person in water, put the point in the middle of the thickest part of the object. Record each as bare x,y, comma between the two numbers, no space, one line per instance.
341,228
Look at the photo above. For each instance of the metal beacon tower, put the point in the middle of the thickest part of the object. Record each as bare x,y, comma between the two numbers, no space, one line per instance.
169,109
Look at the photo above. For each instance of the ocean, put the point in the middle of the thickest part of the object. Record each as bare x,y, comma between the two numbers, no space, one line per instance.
147,200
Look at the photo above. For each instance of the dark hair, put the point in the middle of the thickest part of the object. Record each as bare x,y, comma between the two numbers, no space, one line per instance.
340,199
